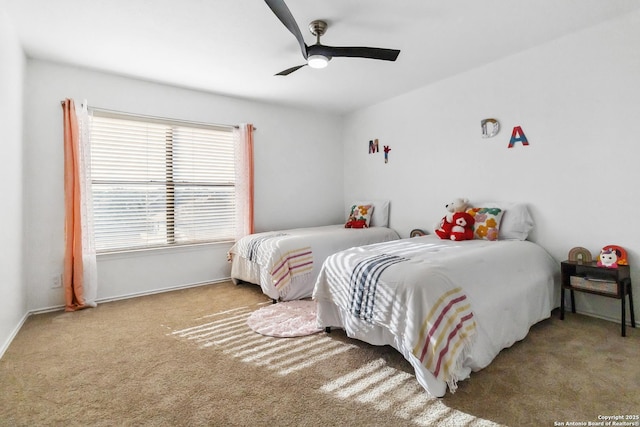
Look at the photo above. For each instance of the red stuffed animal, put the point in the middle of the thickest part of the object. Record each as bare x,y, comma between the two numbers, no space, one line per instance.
462,228
444,231
456,205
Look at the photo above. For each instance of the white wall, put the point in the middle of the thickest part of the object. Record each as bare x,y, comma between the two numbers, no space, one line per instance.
298,171
13,296
578,102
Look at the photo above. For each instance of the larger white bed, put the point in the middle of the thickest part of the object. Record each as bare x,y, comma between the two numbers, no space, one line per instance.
448,307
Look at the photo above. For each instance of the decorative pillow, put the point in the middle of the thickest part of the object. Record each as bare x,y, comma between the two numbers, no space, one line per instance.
380,215
487,222
516,220
359,216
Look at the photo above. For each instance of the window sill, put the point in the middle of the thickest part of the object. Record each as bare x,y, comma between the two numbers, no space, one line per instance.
162,250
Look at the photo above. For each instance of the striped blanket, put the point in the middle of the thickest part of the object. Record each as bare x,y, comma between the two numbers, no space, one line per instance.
364,282
276,254
445,336
392,285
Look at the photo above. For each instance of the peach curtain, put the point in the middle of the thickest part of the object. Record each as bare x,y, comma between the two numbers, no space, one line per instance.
76,268
244,180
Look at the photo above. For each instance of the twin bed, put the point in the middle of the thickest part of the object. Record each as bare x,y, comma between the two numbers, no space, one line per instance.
448,307
286,263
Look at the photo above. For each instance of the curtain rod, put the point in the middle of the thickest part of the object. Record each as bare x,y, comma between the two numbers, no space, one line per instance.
159,118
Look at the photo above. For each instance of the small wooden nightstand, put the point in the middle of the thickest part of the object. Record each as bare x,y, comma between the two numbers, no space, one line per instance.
590,278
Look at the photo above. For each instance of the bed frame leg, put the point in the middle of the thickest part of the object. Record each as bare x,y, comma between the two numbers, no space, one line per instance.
327,329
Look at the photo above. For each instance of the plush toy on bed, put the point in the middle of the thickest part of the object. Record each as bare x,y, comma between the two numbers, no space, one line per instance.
455,206
462,226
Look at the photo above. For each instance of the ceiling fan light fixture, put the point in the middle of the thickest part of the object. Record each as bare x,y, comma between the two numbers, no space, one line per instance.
317,61
319,55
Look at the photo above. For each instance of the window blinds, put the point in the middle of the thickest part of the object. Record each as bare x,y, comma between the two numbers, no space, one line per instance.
160,182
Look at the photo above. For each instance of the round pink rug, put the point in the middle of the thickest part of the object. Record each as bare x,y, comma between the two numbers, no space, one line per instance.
285,319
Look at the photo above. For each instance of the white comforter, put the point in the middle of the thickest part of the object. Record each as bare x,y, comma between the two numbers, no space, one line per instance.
286,263
507,285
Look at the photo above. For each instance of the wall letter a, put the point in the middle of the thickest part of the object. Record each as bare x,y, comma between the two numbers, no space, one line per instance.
515,138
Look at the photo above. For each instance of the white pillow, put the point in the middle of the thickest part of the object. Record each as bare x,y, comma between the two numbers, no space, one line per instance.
380,217
516,222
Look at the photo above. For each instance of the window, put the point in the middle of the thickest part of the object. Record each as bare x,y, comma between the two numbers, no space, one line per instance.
159,182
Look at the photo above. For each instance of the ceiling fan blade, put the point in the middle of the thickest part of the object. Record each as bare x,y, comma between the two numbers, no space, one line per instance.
283,13
290,70
354,52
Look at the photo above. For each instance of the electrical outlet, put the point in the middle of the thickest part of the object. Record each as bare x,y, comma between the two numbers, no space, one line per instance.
56,281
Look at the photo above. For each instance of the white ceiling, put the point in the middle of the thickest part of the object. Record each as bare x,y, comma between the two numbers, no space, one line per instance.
234,47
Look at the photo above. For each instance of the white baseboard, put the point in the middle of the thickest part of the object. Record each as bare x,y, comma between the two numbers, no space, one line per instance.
600,316
15,331
160,291
135,295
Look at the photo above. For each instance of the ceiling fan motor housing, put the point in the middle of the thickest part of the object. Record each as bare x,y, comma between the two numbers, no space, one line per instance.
318,28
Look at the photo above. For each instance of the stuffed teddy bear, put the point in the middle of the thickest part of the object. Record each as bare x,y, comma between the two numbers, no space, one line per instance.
462,226
457,205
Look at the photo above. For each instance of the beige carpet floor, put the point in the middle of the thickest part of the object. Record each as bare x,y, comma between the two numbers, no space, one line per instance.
188,358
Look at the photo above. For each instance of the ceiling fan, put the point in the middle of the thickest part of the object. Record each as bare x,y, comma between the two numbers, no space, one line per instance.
319,55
